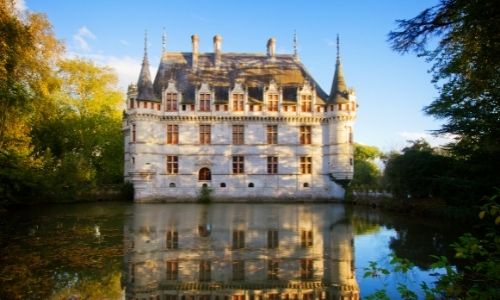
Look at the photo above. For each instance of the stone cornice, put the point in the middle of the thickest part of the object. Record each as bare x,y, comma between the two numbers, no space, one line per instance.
212,118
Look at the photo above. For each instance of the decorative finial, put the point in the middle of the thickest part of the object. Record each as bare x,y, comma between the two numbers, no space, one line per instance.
163,41
145,43
338,47
295,51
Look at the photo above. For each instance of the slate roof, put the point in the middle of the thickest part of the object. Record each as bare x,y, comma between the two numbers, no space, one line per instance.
253,70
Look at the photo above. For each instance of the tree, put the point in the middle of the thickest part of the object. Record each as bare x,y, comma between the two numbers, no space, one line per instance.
462,39
366,172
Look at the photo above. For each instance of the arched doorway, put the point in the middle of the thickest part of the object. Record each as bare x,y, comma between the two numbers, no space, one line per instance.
204,174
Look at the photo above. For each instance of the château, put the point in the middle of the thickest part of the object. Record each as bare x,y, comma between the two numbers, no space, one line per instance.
248,126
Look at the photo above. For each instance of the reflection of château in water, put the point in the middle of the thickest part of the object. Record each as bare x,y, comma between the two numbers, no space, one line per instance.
239,252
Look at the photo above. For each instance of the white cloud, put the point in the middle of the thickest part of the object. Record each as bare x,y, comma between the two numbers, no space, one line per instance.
433,140
20,6
85,32
81,38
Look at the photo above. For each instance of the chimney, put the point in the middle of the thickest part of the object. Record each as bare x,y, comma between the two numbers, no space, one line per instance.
217,49
271,47
195,41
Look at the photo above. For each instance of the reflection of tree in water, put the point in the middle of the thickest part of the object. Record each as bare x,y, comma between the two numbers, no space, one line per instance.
417,238
54,255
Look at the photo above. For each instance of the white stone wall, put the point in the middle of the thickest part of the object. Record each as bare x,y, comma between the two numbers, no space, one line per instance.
145,159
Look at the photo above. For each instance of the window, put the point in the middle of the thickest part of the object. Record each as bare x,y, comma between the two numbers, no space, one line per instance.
205,270
238,239
306,238
251,185
172,239
222,184
272,134
306,269
172,185
204,174
172,134
133,133
238,102
144,104
305,135
131,103
305,103
272,269
239,270
272,239
238,165
272,165
172,164
171,102
350,135
172,270
272,102
305,165
238,134
204,102
205,134
306,184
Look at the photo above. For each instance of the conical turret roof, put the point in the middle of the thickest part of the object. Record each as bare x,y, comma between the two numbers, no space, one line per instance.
339,92
144,84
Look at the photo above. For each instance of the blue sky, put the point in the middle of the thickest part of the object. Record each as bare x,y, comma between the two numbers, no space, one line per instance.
391,89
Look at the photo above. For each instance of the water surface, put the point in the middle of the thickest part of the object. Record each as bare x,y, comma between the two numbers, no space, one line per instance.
211,252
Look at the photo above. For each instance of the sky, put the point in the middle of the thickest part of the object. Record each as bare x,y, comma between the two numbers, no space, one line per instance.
391,89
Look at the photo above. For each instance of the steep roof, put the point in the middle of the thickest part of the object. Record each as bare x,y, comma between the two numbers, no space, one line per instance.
144,84
339,92
253,70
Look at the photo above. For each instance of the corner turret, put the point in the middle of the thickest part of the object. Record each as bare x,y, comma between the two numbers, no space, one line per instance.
144,84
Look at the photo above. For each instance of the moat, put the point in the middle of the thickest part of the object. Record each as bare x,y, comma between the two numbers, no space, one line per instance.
212,252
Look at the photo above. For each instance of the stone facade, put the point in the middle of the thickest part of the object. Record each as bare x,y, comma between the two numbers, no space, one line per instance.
248,126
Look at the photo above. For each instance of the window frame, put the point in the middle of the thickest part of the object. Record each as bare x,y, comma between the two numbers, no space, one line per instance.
238,164
305,165
205,134
238,134
272,164
171,102
172,134
305,134
205,102
172,164
272,134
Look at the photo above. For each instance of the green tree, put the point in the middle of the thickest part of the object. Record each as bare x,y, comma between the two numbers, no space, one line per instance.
462,39
366,172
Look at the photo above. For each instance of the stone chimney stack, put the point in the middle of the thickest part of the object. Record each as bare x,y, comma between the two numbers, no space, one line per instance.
217,49
271,47
195,41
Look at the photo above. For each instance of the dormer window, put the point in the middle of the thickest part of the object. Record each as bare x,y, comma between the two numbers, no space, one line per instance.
306,103
205,101
238,102
272,102
171,102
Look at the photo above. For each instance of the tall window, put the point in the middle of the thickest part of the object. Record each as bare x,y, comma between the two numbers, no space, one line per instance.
272,102
172,134
306,269
305,135
272,239
238,239
350,138
239,270
238,134
272,269
131,103
204,102
172,164
305,165
172,270
205,273
238,164
133,133
238,102
172,239
272,165
272,134
171,102
306,103
205,134
306,238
